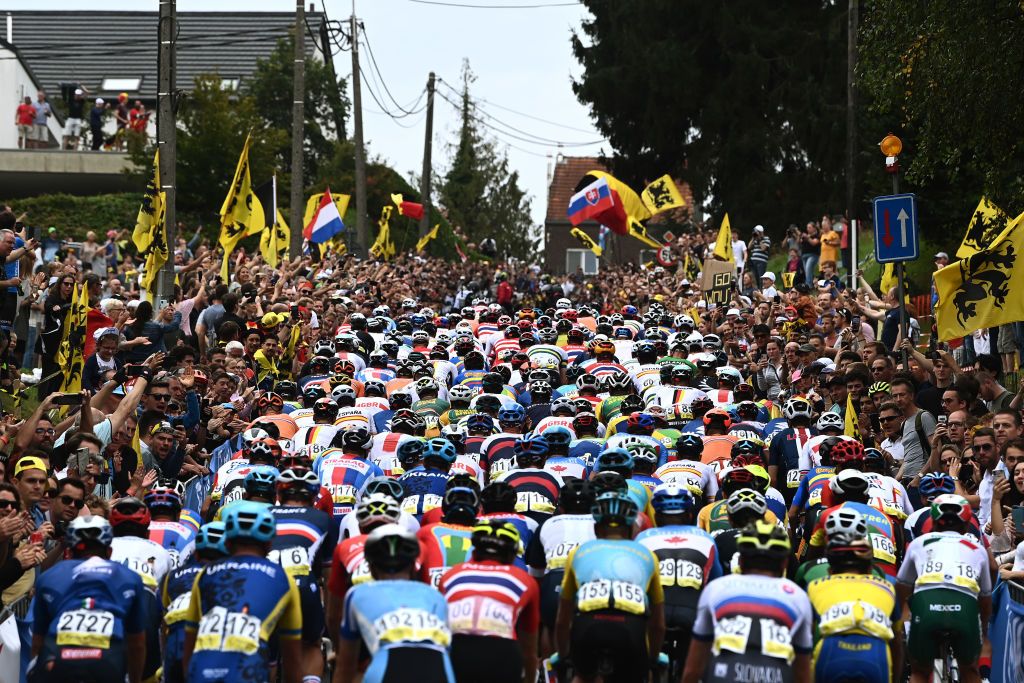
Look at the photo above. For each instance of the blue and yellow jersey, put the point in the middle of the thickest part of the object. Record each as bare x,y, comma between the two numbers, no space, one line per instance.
808,493
384,614
854,604
237,605
619,575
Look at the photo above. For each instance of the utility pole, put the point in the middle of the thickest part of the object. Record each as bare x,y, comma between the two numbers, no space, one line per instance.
362,238
298,128
851,131
167,138
427,144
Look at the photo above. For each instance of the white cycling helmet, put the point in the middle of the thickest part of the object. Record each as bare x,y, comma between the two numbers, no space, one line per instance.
797,407
830,421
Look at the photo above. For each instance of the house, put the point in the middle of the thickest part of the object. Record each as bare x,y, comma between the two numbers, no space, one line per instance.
562,252
108,53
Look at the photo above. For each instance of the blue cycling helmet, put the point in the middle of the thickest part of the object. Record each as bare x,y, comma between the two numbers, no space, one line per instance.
250,521
262,482
557,435
480,422
514,414
615,460
531,449
210,539
935,484
670,499
614,508
441,449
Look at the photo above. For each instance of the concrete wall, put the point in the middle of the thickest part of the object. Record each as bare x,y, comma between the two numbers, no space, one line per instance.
29,172
15,84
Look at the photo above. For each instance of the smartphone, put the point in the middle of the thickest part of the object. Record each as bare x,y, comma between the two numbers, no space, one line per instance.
135,370
997,476
82,460
295,310
1018,518
942,419
31,232
855,323
67,400
35,537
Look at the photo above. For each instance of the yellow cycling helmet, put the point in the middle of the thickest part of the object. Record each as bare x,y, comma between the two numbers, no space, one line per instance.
763,539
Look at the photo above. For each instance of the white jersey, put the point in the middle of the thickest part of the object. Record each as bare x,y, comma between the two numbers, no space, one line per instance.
557,537
888,495
693,475
230,471
468,463
147,558
552,420
303,417
669,397
946,559
809,455
318,434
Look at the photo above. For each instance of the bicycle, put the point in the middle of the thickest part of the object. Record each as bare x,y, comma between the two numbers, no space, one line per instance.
946,668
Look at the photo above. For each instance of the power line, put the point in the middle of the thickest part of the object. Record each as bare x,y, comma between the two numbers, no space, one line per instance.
380,76
470,6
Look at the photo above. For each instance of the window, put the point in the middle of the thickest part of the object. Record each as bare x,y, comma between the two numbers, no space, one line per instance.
229,83
580,258
119,84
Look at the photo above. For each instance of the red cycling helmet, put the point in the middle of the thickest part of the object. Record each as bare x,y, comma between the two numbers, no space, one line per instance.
847,454
720,414
129,510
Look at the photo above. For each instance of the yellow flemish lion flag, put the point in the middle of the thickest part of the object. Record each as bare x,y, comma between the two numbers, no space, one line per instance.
639,231
889,279
723,245
851,428
236,214
150,234
383,247
274,242
787,279
425,240
69,353
586,241
987,221
662,195
983,290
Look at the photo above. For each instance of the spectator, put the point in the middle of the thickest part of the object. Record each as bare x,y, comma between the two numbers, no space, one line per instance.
830,241
99,108
41,123
138,118
51,244
143,326
810,243
121,117
994,394
918,426
24,119
759,249
987,457
73,124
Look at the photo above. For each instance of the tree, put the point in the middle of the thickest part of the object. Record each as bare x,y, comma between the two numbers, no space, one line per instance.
743,100
480,194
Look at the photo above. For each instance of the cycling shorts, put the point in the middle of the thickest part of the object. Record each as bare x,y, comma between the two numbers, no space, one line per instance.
730,667
404,663
486,659
79,664
313,620
610,638
852,658
550,596
943,615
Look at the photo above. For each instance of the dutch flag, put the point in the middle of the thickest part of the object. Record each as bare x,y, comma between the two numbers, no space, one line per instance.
326,222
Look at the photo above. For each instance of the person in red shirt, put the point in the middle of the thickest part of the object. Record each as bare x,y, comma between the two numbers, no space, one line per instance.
24,117
505,293
493,610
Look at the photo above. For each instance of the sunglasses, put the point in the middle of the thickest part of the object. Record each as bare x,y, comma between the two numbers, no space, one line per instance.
984,446
888,418
43,430
160,397
68,500
4,504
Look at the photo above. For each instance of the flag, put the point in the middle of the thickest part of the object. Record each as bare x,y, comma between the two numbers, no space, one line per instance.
383,248
150,234
602,236
975,292
723,245
630,200
411,209
787,279
889,279
236,214
586,241
313,203
662,195
72,343
326,221
425,240
851,428
986,223
592,202
462,256
639,231
274,242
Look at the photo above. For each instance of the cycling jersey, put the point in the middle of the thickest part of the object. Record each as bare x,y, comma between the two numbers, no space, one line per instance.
442,546
715,517
146,558
881,531
345,476
784,454
304,542
176,538
687,561
384,452
424,490
756,626
394,617
317,434
616,575
889,496
812,483
237,605
231,472
350,525
83,610
175,594
565,466
488,598
497,454
556,538
536,491
947,559
693,475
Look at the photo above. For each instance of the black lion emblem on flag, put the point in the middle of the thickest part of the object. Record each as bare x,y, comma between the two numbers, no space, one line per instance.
985,274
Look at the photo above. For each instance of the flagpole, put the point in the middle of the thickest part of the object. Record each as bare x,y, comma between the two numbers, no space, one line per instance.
900,285
166,135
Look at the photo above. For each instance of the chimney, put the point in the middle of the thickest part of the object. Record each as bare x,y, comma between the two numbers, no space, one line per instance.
312,7
10,28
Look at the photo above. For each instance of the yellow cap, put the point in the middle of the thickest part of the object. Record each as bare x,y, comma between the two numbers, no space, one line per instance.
30,463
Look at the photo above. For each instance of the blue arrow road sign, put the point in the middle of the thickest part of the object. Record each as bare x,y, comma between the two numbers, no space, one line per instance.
895,228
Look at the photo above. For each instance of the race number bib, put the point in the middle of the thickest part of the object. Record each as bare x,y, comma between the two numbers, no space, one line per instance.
428,501
793,478
847,616
604,594
482,616
556,556
411,625
85,628
733,635
681,573
949,573
883,549
343,494
294,560
178,608
224,631
531,501
144,569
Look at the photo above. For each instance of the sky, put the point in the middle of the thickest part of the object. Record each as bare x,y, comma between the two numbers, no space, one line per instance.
521,57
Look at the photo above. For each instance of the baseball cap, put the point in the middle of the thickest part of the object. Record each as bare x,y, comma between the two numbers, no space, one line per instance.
941,254
78,91
99,100
30,463
272,319
104,331
768,276
234,346
51,229
732,311
758,228
806,348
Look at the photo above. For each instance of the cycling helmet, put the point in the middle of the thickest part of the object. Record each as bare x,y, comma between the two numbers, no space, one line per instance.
461,500
391,548
701,406
640,423
576,496
210,540
441,449
254,434
851,484
615,460
532,449
618,380
825,449
129,510
830,421
325,409
712,342
494,539
608,481
558,436
586,381
717,415
324,348
540,389
89,530
400,399
846,453
287,389
343,395
935,484
950,511
643,452
614,508
514,414
845,520
262,482
669,499
585,422
747,410
564,405
355,438
729,375
460,393
845,548
747,448
248,520
265,450
874,461
410,452
480,422
762,539
690,445
405,421
299,480
375,509
498,496
386,485
746,500
426,385
163,499
797,407
879,388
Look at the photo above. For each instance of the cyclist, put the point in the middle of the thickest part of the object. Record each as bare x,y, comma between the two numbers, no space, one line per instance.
496,452
688,471
687,561
493,610
176,592
743,507
304,542
391,487
164,528
611,613
403,622
536,488
559,462
855,612
931,485
89,615
227,485
755,625
786,445
346,470
947,579
498,504
239,603
425,484
446,543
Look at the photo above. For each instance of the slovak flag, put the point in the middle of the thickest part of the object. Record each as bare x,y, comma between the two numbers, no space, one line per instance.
598,201
326,222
